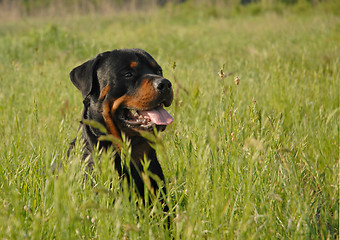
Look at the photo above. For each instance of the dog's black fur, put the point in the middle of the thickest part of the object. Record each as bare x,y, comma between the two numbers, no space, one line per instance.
115,85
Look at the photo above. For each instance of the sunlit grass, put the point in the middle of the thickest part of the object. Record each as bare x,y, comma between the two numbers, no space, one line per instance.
253,160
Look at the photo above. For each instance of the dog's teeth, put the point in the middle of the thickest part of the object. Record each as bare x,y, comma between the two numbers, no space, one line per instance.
134,112
145,121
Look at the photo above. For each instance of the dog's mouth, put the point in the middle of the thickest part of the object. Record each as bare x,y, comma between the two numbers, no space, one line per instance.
145,119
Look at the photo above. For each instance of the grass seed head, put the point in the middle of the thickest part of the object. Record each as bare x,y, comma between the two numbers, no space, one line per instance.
237,80
221,74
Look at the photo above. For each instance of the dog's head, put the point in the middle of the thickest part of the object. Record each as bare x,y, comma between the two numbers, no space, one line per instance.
127,91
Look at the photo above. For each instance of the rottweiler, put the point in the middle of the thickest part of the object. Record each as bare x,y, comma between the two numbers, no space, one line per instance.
125,91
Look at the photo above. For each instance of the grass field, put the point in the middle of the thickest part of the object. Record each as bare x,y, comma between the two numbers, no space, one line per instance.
258,160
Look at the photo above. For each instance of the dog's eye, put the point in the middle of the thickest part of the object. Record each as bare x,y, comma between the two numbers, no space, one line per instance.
128,74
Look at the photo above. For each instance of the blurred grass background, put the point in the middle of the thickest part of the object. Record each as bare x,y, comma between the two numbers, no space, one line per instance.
258,160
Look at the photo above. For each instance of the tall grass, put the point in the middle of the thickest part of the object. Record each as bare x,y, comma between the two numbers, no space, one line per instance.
258,160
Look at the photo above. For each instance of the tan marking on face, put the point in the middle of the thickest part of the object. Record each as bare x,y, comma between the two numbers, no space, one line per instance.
133,64
117,103
143,98
104,92
109,122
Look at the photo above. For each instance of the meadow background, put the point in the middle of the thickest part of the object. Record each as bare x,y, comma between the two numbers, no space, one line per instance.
257,160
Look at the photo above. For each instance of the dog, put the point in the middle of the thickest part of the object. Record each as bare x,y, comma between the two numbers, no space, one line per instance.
125,91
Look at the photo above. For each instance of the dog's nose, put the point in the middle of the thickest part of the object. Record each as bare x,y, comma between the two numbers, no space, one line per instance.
162,85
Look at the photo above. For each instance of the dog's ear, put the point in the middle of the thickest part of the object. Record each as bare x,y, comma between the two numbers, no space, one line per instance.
84,77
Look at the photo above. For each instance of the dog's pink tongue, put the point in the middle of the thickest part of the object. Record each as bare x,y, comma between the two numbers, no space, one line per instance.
159,116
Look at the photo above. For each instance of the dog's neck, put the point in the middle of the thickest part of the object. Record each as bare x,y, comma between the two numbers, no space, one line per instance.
140,146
